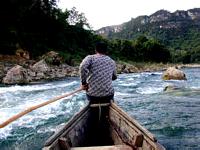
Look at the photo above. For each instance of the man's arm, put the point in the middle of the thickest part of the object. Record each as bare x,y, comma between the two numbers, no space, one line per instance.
114,77
84,70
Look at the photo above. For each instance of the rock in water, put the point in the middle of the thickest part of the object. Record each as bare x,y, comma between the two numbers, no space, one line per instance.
16,75
172,73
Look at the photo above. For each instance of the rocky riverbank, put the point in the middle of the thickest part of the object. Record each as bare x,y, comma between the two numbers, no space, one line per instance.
16,70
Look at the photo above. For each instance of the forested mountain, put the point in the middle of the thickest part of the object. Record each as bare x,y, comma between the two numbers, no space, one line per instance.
39,26
178,31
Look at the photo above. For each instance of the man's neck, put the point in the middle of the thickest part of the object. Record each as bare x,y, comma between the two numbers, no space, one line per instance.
97,53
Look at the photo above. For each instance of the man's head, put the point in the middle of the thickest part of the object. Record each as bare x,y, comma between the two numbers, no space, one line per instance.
101,47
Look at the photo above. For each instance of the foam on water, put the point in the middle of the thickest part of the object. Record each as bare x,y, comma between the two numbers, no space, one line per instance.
128,84
32,88
32,119
13,102
148,90
51,128
121,94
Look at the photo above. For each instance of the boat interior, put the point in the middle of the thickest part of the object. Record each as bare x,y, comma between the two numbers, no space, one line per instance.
102,128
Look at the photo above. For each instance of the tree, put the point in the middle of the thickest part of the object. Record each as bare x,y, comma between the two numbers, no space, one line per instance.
155,52
140,48
39,26
27,23
77,19
195,55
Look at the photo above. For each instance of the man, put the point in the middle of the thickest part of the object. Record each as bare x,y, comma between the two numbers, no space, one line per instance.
97,72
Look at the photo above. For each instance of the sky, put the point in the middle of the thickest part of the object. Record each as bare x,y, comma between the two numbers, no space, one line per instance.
104,13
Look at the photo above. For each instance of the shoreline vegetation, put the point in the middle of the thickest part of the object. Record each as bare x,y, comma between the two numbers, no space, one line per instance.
22,71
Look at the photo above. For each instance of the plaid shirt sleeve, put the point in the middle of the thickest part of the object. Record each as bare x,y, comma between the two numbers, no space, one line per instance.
114,77
84,69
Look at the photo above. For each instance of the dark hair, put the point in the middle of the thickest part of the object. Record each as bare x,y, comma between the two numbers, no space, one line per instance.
101,47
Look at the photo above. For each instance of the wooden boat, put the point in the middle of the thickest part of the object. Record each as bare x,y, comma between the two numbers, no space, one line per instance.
102,127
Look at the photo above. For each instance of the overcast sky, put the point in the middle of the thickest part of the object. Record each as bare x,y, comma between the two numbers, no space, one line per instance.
103,13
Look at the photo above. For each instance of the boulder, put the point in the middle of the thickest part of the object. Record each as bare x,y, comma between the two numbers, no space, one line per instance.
52,58
40,70
126,68
16,75
172,73
22,53
40,66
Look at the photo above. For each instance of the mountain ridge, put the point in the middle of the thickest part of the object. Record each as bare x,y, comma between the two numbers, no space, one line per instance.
158,16
163,25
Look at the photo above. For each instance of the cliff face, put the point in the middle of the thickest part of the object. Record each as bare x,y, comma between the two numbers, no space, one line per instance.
105,31
175,29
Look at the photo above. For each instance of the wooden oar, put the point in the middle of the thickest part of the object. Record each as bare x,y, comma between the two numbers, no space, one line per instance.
15,117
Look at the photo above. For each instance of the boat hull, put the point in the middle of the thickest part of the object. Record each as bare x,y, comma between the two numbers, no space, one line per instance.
105,127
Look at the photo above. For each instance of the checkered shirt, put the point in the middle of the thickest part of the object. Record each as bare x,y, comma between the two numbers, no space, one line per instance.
98,71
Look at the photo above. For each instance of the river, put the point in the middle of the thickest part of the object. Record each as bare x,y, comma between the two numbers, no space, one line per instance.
173,117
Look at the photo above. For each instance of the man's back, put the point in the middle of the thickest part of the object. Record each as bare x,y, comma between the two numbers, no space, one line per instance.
98,71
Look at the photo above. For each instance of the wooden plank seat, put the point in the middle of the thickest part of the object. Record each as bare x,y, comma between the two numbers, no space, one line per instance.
100,105
113,147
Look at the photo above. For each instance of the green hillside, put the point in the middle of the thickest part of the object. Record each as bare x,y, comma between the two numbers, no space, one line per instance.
178,31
